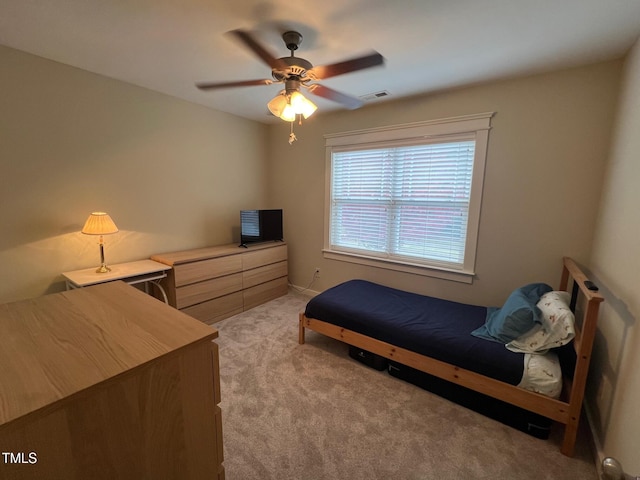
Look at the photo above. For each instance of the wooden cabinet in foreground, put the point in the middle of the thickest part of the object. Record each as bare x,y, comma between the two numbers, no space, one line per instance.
214,283
106,382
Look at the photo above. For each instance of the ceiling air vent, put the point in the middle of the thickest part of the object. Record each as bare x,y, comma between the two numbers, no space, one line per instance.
374,96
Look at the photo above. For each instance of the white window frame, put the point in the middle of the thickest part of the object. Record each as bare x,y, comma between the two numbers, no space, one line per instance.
476,126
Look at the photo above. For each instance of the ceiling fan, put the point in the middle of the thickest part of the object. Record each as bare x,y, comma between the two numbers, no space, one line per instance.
296,72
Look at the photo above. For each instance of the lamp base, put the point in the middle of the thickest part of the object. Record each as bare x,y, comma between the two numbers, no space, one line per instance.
103,266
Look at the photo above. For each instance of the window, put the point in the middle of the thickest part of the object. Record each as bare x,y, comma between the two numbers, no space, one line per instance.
408,197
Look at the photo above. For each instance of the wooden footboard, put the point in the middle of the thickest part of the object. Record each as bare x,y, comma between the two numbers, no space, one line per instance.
567,410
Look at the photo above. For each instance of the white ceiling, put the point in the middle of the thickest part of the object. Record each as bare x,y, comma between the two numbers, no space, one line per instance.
428,45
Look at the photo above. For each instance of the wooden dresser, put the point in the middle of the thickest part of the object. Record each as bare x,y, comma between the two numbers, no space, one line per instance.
214,283
107,382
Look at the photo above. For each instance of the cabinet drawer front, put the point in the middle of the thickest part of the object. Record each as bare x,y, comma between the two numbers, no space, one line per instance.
264,256
264,292
206,269
208,290
256,276
217,309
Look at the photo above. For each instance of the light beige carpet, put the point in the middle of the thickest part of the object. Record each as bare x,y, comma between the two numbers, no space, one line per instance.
310,412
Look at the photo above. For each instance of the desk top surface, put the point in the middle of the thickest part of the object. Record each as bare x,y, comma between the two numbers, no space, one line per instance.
57,345
119,271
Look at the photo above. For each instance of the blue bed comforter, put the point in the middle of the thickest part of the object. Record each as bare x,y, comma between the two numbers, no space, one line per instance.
437,328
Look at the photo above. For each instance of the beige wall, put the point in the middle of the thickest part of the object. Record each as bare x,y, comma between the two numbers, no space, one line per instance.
172,174
614,389
547,150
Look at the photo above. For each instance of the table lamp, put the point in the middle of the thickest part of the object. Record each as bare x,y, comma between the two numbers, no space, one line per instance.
99,223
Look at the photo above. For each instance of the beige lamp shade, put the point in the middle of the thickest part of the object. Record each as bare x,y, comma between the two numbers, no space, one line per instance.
99,223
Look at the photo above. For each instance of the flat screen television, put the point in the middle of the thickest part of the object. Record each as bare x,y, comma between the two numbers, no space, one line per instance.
260,226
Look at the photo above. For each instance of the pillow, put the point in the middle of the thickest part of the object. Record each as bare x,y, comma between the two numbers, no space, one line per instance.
542,374
518,315
557,327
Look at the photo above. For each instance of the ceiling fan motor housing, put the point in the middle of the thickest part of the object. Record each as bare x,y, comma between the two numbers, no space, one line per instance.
291,85
296,67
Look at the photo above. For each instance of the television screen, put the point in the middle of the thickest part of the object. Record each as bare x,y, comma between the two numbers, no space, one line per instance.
260,226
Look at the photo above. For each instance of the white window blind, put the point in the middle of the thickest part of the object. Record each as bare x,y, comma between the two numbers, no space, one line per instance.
407,197
403,202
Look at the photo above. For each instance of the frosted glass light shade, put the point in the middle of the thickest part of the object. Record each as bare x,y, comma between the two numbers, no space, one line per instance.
302,105
277,105
288,114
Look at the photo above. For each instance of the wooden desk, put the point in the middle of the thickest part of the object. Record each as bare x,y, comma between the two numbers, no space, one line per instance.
141,271
106,382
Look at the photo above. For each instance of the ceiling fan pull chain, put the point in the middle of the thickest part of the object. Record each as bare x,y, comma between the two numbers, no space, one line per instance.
292,136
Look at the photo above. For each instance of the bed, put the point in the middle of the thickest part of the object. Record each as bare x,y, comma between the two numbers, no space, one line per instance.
474,346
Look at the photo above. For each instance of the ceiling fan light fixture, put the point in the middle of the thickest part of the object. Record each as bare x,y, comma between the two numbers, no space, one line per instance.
302,105
287,106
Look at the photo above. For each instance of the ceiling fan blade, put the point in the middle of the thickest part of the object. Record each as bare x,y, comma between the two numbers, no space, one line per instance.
242,83
325,71
335,96
264,54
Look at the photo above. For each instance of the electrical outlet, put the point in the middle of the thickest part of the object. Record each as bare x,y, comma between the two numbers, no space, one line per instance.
316,274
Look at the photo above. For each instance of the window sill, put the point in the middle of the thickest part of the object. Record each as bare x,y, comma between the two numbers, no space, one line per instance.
415,269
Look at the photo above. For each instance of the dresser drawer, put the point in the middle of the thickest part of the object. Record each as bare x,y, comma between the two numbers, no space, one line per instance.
217,309
256,276
208,290
264,256
203,270
264,292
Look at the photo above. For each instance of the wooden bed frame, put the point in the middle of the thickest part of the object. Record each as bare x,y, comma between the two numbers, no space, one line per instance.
566,410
